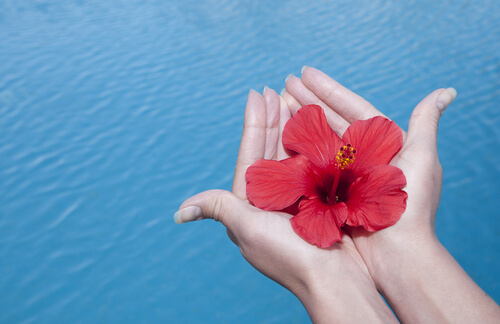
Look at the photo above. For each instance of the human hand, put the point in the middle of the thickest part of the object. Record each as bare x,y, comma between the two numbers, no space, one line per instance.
410,267
331,283
418,158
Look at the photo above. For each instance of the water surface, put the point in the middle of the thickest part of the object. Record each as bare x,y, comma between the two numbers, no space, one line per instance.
112,113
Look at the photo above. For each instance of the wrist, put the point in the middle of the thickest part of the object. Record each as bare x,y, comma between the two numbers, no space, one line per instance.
387,252
397,257
404,265
342,297
423,283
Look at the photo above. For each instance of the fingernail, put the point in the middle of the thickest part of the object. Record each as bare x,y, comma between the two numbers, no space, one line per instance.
265,89
288,77
187,214
282,91
303,68
251,90
446,98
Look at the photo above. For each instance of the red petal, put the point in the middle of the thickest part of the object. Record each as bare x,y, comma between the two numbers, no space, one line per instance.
319,223
275,185
376,200
292,209
308,133
376,141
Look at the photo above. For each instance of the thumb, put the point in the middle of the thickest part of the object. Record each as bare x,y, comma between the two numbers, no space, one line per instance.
424,120
219,205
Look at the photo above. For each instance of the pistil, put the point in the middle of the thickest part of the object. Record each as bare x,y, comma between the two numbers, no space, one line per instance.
345,156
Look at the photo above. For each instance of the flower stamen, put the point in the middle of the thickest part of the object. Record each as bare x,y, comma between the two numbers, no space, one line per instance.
345,156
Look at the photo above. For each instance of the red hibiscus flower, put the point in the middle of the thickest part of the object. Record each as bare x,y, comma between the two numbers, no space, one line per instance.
333,181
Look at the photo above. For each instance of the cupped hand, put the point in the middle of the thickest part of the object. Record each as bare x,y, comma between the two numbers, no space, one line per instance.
329,282
418,159
418,277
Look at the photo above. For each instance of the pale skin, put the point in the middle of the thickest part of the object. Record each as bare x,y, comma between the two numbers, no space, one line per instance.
406,263
333,284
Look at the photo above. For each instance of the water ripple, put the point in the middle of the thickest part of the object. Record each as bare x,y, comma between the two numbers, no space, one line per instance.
111,114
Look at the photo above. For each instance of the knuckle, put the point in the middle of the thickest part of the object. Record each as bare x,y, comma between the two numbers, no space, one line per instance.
332,93
423,154
219,206
429,117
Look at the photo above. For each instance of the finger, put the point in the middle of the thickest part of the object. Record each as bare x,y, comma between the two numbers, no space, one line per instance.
219,205
304,96
253,141
272,124
423,126
284,117
345,102
292,103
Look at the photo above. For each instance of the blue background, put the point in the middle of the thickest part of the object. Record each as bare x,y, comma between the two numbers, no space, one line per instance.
113,112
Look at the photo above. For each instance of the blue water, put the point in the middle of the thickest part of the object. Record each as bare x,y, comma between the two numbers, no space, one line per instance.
113,112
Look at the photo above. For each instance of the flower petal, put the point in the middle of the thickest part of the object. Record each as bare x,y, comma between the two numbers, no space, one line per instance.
275,185
319,223
308,133
376,200
376,141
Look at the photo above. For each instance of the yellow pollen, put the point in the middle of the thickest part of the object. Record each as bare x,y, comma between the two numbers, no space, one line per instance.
345,156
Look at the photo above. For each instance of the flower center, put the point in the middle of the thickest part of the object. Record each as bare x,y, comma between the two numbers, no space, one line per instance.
345,156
